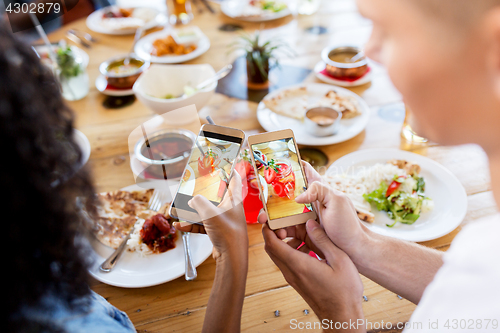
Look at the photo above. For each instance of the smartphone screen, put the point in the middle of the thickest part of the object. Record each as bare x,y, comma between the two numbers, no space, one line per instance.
282,179
208,170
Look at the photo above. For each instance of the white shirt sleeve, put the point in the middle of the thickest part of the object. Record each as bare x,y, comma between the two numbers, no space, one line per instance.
464,295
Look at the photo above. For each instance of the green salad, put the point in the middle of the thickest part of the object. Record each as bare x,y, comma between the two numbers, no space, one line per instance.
403,199
273,6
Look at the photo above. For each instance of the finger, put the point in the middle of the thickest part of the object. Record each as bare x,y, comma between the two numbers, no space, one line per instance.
311,174
233,196
294,243
276,246
189,227
317,191
205,208
321,240
272,243
262,218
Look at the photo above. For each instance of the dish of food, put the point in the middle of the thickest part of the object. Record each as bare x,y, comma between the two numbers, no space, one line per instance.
162,47
395,187
121,212
399,193
115,20
154,252
255,10
168,46
321,74
286,108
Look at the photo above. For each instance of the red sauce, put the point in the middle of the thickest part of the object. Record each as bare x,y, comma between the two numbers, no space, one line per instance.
169,146
158,234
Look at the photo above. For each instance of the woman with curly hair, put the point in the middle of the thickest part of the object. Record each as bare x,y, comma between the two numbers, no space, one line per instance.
46,285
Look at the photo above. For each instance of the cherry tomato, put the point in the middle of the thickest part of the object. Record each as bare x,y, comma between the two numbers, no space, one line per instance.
393,187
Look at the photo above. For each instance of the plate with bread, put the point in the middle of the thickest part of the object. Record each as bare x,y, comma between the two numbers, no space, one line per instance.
154,253
286,108
116,20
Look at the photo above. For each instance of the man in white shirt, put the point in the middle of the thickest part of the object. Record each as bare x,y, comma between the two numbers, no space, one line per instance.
444,58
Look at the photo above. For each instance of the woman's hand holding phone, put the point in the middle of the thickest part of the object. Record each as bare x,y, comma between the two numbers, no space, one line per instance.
225,224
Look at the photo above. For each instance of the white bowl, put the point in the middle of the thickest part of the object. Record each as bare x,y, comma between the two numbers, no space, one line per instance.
161,80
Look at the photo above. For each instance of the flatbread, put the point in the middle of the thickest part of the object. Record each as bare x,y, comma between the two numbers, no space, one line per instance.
291,103
343,104
295,102
118,212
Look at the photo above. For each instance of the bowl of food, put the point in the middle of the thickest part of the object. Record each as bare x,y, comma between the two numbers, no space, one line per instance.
165,152
165,88
341,63
123,74
322,121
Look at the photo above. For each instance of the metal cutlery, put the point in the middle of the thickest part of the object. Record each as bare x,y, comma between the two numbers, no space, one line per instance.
83,38
138,34
155,203
191,273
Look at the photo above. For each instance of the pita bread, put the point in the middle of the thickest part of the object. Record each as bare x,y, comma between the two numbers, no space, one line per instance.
295,102
291,103
345,104
118,212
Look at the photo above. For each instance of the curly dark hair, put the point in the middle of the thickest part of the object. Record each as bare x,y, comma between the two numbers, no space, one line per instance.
41,180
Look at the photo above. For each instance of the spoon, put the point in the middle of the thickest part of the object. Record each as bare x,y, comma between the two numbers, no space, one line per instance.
219,75
357,57
138,35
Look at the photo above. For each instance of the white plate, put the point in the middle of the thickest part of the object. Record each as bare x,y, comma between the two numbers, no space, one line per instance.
134,271
145,45
320,66
94,23
234,9
101,83
448,194
349,128
83,142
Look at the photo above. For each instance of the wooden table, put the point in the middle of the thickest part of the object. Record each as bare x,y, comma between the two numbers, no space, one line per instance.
179,305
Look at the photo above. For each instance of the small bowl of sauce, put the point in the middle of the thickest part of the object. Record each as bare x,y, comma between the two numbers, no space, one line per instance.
165,153
339,63
121,75
322,121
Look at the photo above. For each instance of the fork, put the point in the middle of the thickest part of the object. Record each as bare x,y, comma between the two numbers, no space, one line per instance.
155,203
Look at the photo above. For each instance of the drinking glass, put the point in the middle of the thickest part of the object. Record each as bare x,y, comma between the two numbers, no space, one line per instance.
407,132
308,7
179,11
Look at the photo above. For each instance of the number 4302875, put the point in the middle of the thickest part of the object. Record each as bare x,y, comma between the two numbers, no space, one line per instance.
33,8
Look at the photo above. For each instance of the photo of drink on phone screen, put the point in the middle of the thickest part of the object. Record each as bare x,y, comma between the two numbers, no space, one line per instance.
281,178
208,170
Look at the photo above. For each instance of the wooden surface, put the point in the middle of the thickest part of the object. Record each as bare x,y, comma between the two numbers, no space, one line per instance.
180,306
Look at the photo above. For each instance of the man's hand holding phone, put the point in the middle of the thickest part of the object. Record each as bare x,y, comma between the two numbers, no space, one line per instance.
334,291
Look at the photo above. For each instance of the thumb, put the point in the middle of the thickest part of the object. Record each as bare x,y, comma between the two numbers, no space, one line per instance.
321,240
233,196
203,206
317,191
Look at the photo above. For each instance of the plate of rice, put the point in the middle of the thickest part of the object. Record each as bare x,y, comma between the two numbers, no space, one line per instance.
139,266
400,194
